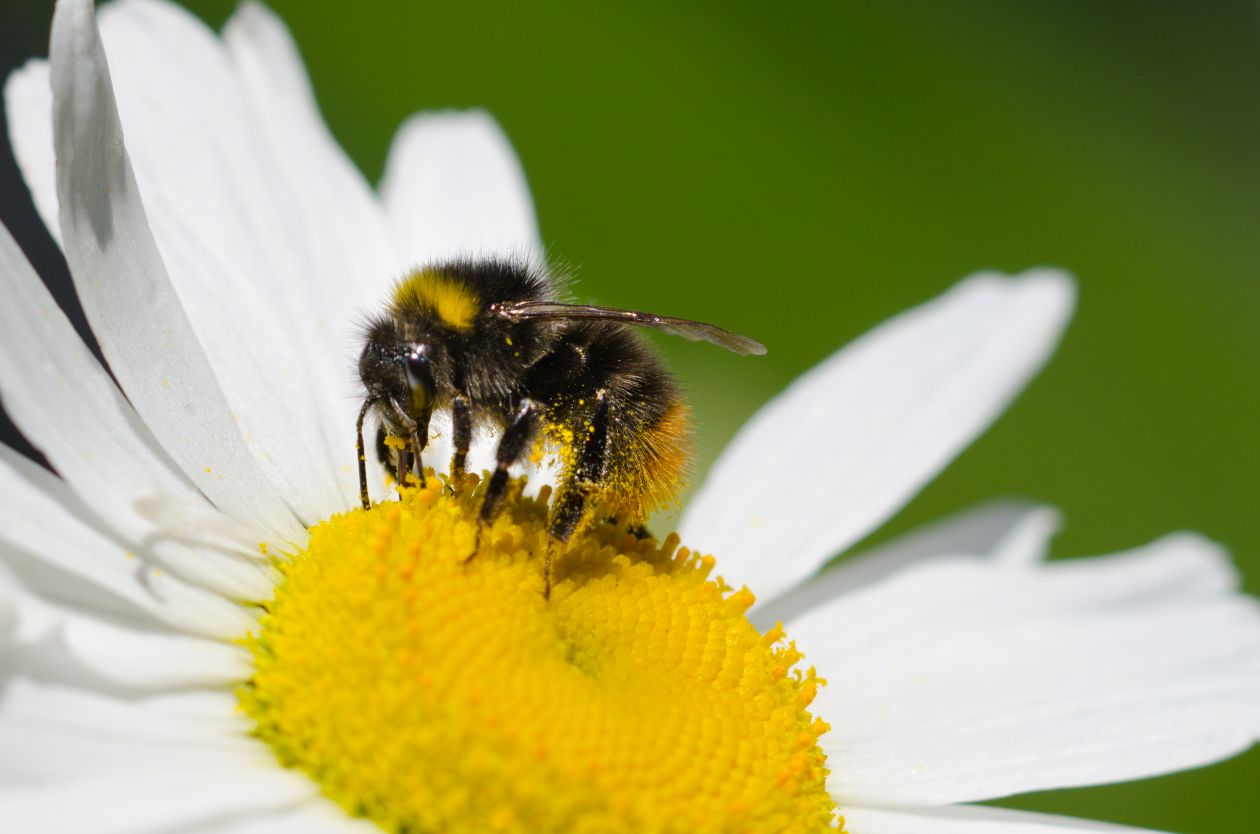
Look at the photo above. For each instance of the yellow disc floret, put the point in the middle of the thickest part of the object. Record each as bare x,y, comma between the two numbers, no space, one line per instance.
433,694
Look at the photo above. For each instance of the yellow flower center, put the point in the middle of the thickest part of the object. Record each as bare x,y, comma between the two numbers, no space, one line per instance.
431,694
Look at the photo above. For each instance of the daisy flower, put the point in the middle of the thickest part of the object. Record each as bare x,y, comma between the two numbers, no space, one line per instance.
201,632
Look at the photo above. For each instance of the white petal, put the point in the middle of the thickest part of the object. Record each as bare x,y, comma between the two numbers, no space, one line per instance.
964,681
453,187
48,640
63,401
44,526
1006,532
70,409
55,733
853,439
232,235
345,256
126,292
28,109
969,820
348,235
154,803
217,707
481,456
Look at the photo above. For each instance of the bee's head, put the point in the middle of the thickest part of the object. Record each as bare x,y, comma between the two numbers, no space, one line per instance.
398,371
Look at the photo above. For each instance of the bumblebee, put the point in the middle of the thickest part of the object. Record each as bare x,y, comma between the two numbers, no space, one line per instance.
490,342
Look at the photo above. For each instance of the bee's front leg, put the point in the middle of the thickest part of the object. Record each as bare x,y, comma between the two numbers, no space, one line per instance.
418,437
364,498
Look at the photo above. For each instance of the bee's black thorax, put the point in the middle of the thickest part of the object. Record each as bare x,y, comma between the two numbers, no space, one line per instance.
486,359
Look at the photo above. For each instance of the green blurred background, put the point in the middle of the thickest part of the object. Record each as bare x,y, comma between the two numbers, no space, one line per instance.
802,171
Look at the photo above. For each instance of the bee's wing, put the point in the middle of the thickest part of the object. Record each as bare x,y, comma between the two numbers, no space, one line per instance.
696,331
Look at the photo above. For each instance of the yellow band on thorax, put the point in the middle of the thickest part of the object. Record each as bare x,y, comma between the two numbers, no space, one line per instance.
438,295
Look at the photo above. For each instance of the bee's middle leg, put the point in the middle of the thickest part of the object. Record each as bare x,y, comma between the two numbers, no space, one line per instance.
512,446
461,435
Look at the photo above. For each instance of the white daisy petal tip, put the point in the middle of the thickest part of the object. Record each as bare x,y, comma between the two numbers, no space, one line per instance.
1208,563
1054,286
256,24
1053,289
453,187
1046,296
251,14
874,422
28,111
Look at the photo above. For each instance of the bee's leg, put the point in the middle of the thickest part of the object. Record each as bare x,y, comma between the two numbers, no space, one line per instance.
358,427
419,440
461,435
418,433
512,445
579,484
402,466
637,529
397,461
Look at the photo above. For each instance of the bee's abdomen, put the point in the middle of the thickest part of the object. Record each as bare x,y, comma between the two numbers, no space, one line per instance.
603,386
649,467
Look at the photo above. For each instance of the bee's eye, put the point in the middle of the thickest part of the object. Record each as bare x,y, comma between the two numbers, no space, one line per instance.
420,377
